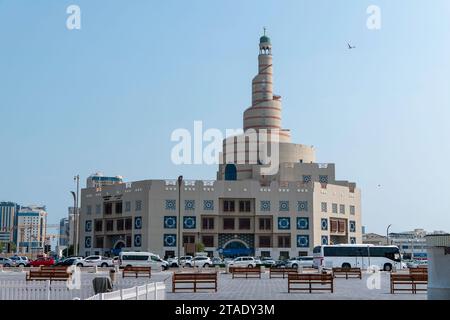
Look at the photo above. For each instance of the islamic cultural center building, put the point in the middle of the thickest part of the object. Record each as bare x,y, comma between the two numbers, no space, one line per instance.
244,212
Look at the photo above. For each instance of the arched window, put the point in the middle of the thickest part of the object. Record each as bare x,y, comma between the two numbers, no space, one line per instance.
230,172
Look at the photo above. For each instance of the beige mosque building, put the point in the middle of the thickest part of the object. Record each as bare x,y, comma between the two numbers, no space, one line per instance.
246,211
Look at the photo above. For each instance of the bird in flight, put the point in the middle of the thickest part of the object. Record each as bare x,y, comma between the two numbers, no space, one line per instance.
350,46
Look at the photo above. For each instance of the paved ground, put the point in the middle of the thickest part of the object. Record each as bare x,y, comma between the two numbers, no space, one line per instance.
258,289
276,288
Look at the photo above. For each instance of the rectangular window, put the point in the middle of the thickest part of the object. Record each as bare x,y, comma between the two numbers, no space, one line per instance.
98,209
119,207
188,239
228,224
265,223
244,206
98,242
265,241
208,223
284,255
98,225
208,241
89,210
284,241
302,253
228,205
334,208
108,208
120,225
323,206
265,253
138,205
128,241
109,225
128,224
352,210
342,208
127,206
244,224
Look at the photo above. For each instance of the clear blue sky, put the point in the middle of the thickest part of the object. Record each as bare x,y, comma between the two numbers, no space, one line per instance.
107,97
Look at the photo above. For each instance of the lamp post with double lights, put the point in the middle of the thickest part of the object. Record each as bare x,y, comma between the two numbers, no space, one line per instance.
75,215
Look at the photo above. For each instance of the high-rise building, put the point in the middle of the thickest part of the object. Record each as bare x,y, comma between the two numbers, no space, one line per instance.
8,215
31,229
246,211
97,180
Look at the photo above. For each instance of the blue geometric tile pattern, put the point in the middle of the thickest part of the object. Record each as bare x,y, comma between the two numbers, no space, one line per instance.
302,205
189,204
265,205
189,222
302,223
170,240
137,240
284,223
324,224
138,222
208,205
302,241
284,205
171,205
170,222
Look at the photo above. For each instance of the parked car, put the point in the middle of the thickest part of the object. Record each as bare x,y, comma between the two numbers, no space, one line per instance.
68,262
21,261
306,262
173,262
267,261
142,259
217,261
95,261
6,262
42,261
185,259
280,263
199,261
242,262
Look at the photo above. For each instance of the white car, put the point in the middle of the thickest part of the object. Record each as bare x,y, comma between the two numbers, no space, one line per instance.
185,259
199,261
20,261
95,261
306,262
249,262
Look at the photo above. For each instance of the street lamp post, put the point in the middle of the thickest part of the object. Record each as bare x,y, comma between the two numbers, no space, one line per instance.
180,181
75,215
387,234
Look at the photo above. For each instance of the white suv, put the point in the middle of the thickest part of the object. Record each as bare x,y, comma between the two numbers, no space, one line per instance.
249,262
306,262
95,261
199,261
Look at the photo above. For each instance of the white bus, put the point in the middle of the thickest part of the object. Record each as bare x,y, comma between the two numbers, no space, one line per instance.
357,256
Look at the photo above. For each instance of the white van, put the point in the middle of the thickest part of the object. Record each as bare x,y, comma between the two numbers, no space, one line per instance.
142,259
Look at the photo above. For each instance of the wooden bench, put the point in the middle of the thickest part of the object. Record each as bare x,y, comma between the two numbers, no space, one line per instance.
255,272
356,272
420,270
48,275
53,268
413,280
136,271
320,282
194,278
283,271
